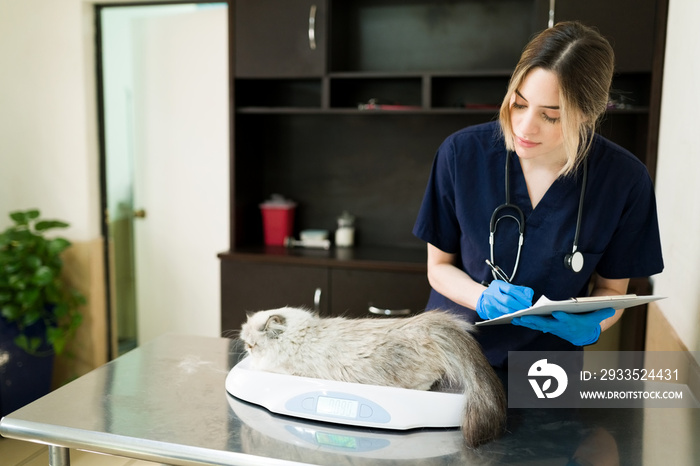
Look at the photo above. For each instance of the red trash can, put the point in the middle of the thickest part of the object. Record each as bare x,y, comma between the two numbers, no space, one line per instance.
278,220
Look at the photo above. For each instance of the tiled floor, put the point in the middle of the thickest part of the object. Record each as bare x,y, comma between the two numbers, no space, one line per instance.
16,453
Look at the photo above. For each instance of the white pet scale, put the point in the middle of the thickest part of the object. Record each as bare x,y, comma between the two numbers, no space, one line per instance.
319,439
343,402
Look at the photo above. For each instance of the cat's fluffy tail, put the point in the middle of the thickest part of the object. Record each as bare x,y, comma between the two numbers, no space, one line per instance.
466,366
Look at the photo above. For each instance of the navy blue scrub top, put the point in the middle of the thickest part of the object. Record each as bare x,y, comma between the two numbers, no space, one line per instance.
619,233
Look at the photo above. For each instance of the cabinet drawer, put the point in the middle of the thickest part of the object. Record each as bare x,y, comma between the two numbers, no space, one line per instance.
250,286
280,38
354,291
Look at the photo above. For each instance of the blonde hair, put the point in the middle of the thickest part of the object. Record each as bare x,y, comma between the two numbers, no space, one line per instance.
583,62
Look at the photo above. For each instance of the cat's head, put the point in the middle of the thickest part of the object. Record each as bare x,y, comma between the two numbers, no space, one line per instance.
264,329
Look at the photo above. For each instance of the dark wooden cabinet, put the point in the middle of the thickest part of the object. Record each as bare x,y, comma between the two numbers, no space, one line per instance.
302,127
324,282
277,39
629,25
252,286
362,293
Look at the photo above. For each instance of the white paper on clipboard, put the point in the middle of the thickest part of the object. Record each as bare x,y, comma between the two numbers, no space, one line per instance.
545,306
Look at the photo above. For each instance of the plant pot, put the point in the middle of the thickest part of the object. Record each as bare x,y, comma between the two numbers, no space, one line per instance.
23,377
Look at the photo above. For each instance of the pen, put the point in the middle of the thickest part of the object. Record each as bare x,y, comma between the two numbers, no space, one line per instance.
498,273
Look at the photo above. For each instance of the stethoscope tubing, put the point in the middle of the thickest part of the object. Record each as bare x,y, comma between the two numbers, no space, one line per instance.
497,272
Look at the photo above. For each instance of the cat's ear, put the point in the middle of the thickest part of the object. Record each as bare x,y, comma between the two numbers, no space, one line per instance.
275,325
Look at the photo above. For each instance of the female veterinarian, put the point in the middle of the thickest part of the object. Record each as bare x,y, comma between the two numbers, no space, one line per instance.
538,204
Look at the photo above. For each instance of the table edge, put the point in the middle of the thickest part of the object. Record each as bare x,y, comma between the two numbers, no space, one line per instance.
130,447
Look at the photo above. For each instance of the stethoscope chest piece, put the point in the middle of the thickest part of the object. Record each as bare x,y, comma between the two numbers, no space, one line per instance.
574,261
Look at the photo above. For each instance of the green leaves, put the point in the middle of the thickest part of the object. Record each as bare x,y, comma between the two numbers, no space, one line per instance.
31,289
49,224
57,246
43,276
23,218
30,345
11,312
26,298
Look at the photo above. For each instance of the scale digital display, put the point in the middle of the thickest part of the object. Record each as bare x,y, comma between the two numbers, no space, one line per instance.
333,440
337,407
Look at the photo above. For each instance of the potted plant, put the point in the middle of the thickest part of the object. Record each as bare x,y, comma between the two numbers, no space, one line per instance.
39,312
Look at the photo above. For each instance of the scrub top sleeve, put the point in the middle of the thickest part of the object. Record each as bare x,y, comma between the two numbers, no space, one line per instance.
635,248
437,222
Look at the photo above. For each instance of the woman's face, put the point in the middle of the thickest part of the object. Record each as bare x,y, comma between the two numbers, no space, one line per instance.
536,118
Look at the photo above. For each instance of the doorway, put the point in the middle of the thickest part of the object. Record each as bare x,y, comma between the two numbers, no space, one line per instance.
163,84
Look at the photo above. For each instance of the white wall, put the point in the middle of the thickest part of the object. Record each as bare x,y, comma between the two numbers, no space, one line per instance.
678,174
48,136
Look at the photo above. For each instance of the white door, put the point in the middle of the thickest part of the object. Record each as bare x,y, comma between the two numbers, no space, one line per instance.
178,107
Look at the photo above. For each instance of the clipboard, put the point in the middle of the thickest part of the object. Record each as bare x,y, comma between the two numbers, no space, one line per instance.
544,306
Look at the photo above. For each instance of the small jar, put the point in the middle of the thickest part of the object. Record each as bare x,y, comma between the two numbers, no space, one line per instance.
345,234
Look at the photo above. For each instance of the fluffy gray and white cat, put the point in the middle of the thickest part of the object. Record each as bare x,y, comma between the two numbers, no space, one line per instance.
430,350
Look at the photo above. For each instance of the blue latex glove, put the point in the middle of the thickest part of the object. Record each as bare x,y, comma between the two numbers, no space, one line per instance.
579,329
503,298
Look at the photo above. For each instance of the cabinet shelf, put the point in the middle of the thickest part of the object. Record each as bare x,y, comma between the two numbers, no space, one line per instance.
422,111
280,110
362,257
465,73
355,111
628,110
476,92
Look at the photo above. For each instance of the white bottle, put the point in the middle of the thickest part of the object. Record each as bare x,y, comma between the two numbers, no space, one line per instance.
345,234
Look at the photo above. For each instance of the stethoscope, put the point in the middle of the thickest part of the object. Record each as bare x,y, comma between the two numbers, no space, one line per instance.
573,261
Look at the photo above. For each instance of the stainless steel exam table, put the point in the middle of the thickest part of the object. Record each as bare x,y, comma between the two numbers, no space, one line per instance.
166,402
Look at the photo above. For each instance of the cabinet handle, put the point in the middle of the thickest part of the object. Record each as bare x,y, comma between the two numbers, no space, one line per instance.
389,312
552,8
317,300
312,27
